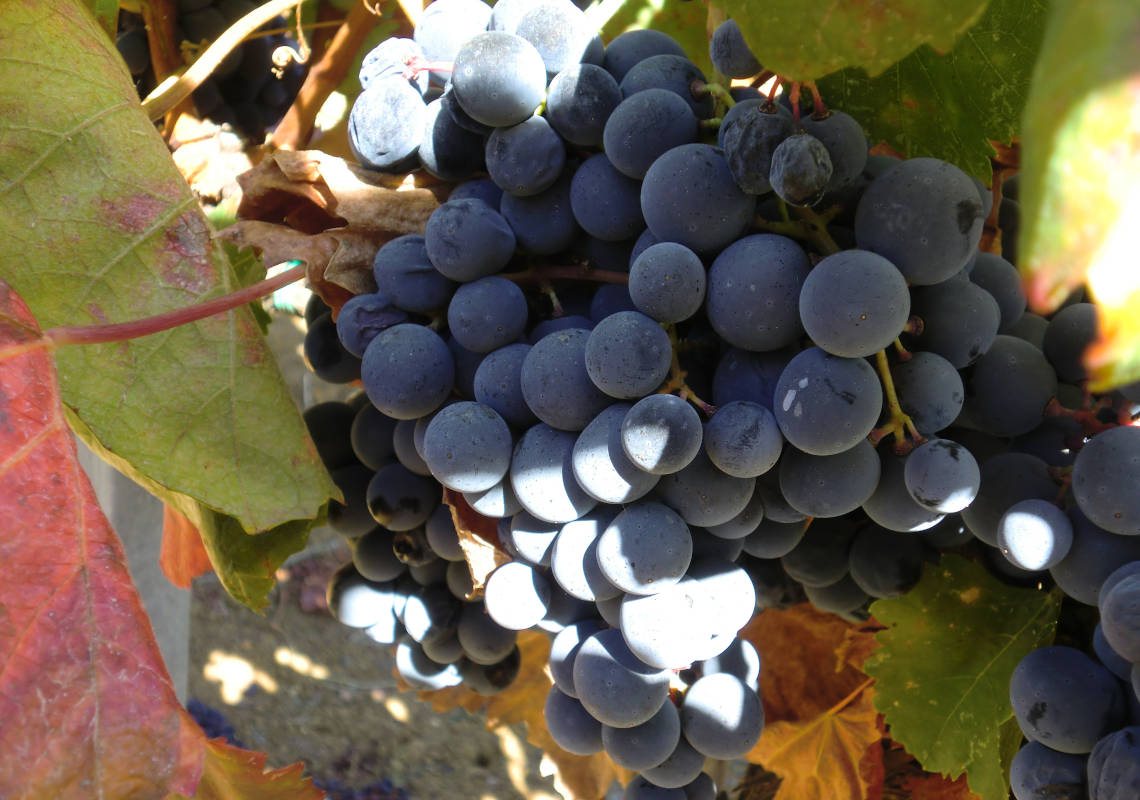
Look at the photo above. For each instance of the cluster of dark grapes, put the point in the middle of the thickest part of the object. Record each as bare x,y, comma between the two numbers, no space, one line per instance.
245,90
878,395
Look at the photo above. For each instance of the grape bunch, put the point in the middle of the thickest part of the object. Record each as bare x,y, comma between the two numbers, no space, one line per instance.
246,90
685,395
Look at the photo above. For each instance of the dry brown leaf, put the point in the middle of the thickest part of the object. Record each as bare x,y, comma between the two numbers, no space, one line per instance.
826,757
938,787
479,538
578,777
313,191
338,262
858,643
801,676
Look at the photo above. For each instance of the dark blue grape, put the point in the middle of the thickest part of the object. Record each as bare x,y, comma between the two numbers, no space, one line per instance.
710,213
579,101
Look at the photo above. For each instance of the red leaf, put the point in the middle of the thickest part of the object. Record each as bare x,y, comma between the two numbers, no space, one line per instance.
938,787
86,706
183,555
231,773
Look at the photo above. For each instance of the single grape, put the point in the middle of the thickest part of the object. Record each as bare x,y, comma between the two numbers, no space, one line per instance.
845,142
645,125
466,240
661,434
753,288
943,476
646,547
468,447
527,158
498,78
729,52
1034,534
924,215
606,203
801,170
579,101
570,725
826,404
854,303
667,282
829,485
1064,699
674,73
1105,476
710,213
615,686
628,355
646,745
517,595
632,47
721,716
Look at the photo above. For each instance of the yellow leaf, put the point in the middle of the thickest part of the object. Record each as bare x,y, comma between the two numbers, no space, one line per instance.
826,757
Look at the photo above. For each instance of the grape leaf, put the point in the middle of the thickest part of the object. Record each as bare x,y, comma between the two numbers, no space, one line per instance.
230,773
88,709
804,652
183,556
802,40
1080,188
944,663
577,777
938,787
101,227
822,758
478,537
245,565
950,106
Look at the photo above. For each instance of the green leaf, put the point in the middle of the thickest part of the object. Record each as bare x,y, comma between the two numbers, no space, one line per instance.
951,106
107,12
684,21
943,668
248,268
244,564
803,40
1081,176
100,227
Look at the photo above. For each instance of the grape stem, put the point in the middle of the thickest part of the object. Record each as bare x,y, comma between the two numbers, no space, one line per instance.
810,227
820,111
676,382
540,275
122,331
1090,423
794,97
700,89
899,424
903,353
556,307
761,78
